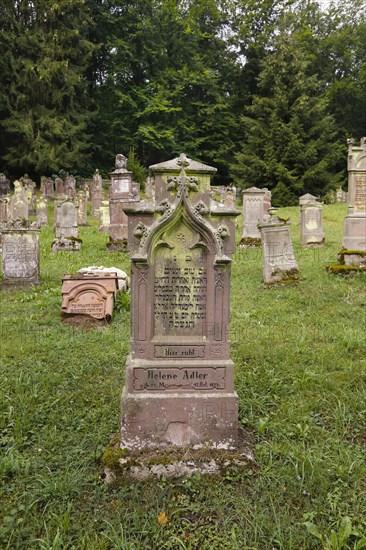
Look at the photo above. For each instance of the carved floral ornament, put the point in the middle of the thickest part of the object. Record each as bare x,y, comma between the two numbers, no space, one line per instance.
19,224
181,207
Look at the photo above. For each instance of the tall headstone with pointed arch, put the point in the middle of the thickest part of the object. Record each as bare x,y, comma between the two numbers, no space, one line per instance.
179,386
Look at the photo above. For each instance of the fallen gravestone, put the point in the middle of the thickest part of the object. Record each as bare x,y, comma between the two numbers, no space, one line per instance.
90,294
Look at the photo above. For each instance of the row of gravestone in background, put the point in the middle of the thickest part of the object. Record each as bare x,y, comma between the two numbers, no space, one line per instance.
260,223
179,388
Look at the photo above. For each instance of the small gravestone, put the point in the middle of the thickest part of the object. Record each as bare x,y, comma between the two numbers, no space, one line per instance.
311,224
86,185
229,197
122,192
149,188
179,380
48,188
279,264
66,227
90,294
59,188
304,199
29,187
354,229
341,196
253,214
104,218
4,201
81,200
70,186
96,194
42,211
4,185
267,201
18,204
20,256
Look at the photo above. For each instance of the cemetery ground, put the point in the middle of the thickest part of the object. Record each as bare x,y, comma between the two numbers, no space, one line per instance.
300,359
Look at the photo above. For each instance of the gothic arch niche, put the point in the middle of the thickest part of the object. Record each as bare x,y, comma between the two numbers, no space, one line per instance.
180,255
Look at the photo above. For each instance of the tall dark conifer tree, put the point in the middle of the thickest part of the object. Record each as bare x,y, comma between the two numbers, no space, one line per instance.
290,135
44,104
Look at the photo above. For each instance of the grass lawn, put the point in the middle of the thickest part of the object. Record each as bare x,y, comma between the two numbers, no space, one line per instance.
300,367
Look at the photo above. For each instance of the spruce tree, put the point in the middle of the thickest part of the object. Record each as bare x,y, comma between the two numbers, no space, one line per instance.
44,106
290,144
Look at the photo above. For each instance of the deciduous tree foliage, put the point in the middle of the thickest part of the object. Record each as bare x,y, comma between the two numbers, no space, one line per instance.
82,80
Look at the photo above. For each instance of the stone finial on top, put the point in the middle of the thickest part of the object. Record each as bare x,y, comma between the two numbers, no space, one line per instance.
121,162
183,161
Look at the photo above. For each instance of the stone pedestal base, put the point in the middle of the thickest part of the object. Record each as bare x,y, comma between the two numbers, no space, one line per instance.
66,244
122,464
179,403
354,232
313,243
250,242
117,246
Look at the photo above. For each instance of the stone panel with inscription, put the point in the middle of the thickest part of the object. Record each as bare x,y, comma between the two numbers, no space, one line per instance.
66,227
354,229
20,257
279,264
253,213
89,294
311,223
181,250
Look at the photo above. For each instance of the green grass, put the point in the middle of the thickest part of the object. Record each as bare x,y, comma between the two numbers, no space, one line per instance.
300,360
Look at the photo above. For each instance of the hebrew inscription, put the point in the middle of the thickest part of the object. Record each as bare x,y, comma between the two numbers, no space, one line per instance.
360,193
180,288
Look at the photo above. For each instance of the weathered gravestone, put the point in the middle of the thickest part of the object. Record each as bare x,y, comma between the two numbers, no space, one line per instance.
90,294
96,194
104,217
354,229
179,377
122,192
29,187
70,186
4,185
42,211
279,264
311,223
341,196
66,227
305,199
18,204
230,197
47,187
20,257
4,201
253,214
149,188
59,188
81,200
267,202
